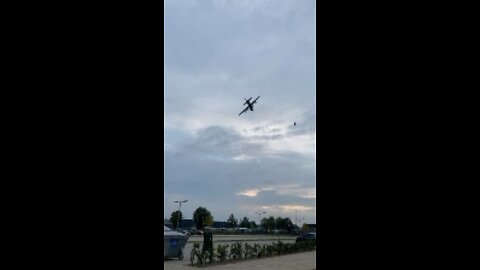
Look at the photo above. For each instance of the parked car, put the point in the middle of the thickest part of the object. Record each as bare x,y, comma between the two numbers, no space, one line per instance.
307,237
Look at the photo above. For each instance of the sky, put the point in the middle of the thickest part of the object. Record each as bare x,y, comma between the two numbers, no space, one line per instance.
218,52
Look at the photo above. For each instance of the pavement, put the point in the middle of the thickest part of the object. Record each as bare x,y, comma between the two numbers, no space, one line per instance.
298,261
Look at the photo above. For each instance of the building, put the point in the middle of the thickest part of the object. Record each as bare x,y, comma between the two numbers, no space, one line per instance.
310,228
166,222
184,223
188,224
219,224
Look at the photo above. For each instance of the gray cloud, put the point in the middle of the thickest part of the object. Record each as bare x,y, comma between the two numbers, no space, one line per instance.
204,165
224,142
218,52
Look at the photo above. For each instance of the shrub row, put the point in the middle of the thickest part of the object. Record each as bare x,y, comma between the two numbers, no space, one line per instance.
238,251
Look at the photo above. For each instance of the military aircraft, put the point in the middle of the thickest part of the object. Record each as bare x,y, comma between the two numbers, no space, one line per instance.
250,105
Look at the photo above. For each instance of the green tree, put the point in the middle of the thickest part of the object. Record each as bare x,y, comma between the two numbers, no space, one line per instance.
201,216
245,223
305,227
176,218
289,225
263,224
209,221
268,224
253,224
283,224
232,221
279,223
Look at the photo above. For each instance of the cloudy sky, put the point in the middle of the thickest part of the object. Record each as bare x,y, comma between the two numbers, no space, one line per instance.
218,52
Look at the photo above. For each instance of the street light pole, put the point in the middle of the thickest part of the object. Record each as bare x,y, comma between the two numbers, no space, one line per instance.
179,210
301,222
259,217
296,217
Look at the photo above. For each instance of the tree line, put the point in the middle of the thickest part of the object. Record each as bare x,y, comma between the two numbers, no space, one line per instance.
203,217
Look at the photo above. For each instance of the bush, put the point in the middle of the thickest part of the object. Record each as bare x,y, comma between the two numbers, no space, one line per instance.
196,254
206,256
262,252
305,245
221,253
289,248
270,250
236,251
280,248
256,250
251,251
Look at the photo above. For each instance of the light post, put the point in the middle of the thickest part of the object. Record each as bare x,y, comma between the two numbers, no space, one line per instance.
296,217
259,217
179,210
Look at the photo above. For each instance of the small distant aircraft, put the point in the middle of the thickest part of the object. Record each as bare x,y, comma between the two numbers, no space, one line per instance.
250,105
294,123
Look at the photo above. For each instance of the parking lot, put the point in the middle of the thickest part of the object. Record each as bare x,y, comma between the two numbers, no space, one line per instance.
304,260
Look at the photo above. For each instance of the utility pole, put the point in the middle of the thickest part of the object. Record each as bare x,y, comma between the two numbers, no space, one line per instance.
179,210
260,217
296,217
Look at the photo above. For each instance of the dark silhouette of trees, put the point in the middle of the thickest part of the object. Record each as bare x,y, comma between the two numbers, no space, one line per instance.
268,224
176,218
202,217
245,223
232,221
278,223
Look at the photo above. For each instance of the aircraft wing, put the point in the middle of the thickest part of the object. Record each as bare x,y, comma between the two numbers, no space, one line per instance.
244,111
255,100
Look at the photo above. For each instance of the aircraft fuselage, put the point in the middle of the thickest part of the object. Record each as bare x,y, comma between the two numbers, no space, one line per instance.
249,104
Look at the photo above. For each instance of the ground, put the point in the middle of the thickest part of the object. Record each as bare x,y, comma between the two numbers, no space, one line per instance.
302,260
